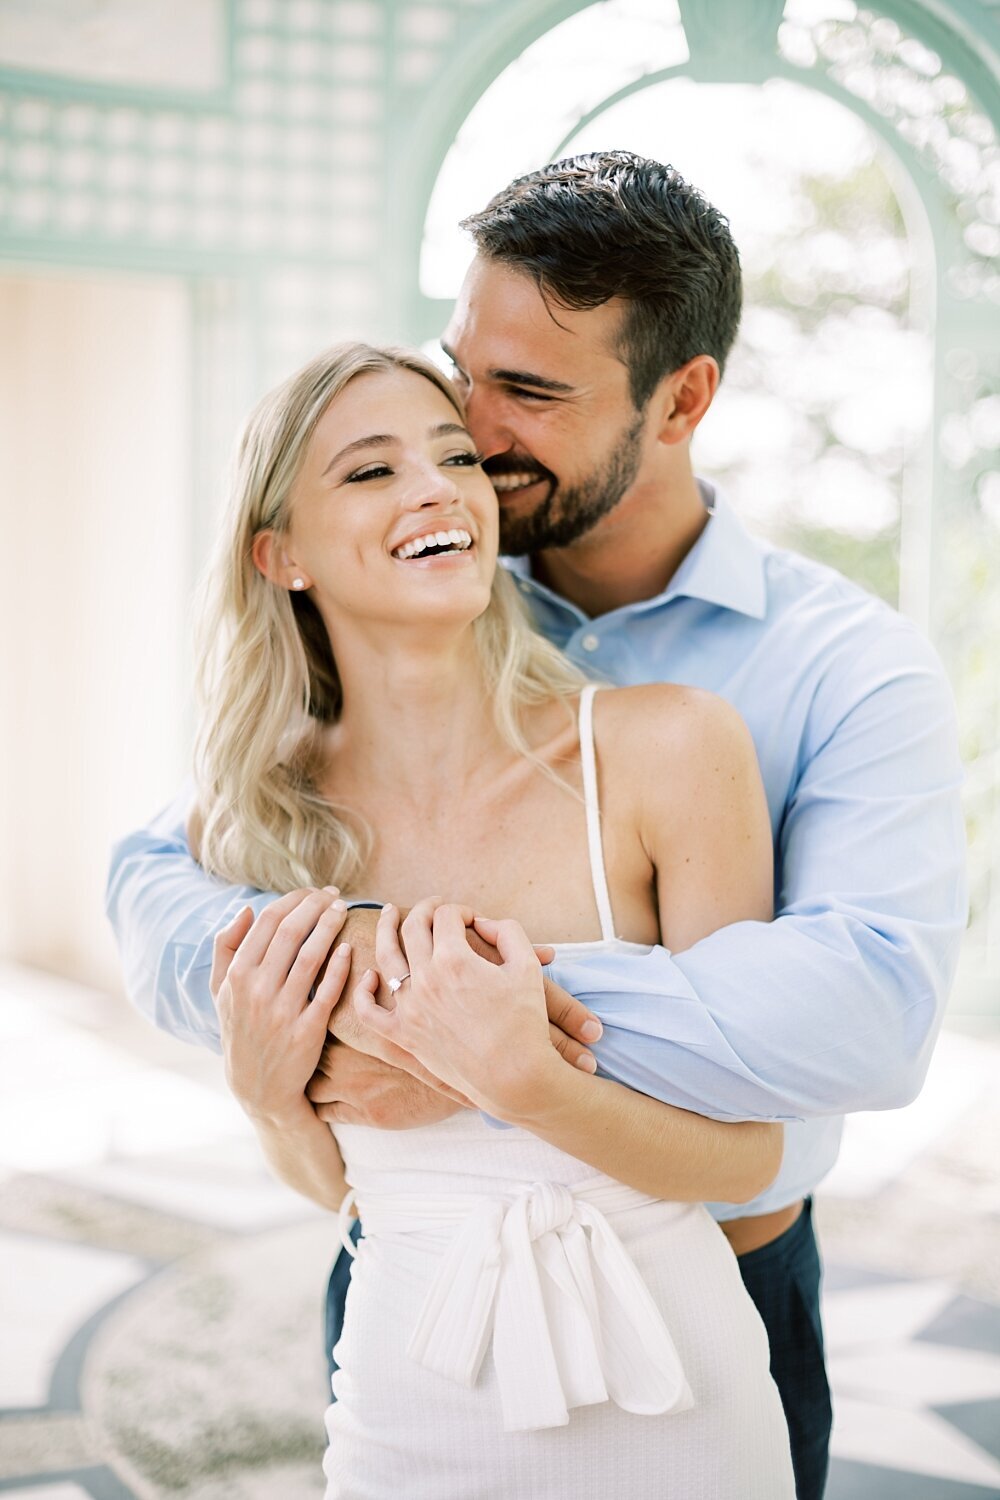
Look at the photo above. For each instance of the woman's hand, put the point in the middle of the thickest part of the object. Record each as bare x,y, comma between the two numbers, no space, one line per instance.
480,1027
262,974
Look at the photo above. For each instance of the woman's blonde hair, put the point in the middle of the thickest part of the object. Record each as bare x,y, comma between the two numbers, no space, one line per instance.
267,679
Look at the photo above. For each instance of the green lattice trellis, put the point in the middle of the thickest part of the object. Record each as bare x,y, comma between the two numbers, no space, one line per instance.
292,192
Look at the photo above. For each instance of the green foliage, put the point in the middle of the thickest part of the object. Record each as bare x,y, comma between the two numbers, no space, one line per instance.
873,562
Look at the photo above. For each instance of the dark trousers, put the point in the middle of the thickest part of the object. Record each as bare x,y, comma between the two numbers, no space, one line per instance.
336,1299
783,1279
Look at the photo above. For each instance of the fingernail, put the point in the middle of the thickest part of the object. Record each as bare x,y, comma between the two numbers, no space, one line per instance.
587,1062
334,890
387,906
342,948
591,1031
338,905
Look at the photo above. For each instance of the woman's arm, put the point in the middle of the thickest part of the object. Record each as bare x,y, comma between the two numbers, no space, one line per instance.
653,1147
483,1028
702,819
263,974
700,812
302,1151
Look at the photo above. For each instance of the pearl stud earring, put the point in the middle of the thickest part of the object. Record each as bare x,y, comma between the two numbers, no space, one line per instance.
298,583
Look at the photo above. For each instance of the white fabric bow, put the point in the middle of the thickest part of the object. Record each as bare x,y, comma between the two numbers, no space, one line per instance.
573,1322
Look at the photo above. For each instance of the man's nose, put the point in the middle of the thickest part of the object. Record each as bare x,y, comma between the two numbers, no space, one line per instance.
485,422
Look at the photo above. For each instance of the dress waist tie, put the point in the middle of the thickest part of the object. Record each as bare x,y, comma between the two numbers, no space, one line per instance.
573,1322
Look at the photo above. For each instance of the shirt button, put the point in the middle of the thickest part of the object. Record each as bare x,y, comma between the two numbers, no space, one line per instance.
590,642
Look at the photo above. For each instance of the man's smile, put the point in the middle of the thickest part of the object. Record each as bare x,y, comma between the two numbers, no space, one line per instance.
511,479
506,484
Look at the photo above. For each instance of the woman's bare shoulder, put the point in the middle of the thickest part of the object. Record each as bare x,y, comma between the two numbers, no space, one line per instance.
697,798
645,724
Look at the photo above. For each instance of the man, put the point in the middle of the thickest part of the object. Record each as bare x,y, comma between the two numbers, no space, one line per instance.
588,341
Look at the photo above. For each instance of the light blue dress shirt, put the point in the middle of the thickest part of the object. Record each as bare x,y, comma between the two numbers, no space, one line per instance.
832,1007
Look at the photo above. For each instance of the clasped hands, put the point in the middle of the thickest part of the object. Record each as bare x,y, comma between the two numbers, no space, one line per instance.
475,1025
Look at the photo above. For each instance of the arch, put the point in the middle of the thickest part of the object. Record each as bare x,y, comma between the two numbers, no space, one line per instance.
917,192
490,49
951,553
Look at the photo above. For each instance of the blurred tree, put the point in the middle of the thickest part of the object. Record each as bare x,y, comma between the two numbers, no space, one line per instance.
833,293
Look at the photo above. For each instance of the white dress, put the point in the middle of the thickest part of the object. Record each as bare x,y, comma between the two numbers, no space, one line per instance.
520,1327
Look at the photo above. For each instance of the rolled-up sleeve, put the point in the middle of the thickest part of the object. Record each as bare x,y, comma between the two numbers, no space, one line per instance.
835,1005
165,912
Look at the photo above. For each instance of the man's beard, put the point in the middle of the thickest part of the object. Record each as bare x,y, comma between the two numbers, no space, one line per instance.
568,512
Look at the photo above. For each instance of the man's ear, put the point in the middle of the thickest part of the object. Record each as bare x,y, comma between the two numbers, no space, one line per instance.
683,398
270,559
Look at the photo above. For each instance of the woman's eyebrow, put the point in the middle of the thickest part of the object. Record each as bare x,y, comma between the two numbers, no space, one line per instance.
374,440
386,439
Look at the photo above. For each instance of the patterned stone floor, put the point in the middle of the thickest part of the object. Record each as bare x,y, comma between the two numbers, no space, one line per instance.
160,1296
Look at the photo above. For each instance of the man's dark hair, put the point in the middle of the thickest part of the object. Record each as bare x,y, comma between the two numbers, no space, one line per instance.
613,224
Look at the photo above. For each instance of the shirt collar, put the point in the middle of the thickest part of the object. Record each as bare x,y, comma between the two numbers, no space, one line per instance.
724,567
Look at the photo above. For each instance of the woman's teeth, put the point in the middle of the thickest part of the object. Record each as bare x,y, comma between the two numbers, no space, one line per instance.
439,541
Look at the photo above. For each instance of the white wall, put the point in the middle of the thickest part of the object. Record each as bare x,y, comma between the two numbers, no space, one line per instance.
95,497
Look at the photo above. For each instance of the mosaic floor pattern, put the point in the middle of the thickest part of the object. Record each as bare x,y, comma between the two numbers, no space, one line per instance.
146,1281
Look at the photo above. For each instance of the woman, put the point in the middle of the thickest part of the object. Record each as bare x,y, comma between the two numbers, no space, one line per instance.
543,1310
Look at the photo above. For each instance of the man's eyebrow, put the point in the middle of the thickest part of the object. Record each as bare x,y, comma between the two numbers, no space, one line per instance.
386,439
525,377
520,377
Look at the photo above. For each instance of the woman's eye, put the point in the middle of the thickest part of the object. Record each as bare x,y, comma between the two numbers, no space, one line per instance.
466,459
370,471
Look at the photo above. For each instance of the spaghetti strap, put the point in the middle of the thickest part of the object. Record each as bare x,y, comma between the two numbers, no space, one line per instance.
595,845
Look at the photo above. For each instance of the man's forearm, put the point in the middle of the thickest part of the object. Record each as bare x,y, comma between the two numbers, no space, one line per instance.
359,931
835,1005
165,912
786,1022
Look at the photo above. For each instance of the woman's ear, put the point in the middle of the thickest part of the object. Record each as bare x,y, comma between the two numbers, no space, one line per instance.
685,396
270,559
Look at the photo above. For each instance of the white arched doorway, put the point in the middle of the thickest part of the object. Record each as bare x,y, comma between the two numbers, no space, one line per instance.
868,372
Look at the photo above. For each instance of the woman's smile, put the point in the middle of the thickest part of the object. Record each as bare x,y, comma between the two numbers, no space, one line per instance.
442,545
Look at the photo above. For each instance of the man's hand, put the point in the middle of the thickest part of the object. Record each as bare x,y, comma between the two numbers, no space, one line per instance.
354,1088
571,1024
